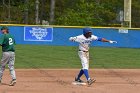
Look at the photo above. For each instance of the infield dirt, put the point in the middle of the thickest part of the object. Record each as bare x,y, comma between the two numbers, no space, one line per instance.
60,81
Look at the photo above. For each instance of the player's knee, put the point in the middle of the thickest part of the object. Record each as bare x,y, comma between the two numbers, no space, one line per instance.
11,68
85,67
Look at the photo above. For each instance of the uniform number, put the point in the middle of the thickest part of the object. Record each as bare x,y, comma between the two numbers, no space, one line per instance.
10,41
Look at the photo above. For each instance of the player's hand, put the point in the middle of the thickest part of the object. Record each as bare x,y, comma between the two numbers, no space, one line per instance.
71,39
112,41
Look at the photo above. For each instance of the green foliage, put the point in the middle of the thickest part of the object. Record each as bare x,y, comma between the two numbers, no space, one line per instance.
70,12
79,15
135,13
90,13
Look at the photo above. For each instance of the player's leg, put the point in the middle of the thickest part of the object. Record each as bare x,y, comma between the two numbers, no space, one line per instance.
85,64
11,68
79,76
81,71
2,68
4,61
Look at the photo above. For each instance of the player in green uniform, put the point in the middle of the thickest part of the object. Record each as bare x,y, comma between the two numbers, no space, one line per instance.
8,54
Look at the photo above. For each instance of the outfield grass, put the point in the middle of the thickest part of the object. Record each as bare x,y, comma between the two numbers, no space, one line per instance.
37,56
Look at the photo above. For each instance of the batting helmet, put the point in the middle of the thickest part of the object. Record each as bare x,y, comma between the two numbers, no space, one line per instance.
86,30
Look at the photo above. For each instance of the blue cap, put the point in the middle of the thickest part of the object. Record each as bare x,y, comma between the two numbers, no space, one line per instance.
86,30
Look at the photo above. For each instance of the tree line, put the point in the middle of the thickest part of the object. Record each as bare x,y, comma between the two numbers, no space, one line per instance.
67,12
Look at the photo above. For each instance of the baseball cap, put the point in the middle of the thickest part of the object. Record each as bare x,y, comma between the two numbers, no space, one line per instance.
4,27
86,30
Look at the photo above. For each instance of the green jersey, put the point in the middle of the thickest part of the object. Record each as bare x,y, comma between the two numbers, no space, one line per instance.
7,42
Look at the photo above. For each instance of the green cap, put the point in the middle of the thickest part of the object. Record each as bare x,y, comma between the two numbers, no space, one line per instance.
4,28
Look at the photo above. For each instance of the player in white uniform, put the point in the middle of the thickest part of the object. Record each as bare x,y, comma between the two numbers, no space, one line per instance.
84,41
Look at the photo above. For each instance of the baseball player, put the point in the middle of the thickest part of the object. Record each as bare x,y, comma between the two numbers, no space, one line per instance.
84,41
8,54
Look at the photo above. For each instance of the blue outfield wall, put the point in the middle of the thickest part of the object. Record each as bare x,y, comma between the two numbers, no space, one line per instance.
60,36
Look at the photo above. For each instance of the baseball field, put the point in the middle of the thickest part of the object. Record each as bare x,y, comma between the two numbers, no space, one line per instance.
51,69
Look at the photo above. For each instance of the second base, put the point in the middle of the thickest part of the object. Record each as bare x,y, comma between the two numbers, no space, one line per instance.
78,83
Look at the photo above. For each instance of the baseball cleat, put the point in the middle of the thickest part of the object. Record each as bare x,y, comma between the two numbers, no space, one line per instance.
91,81
79,80
13,82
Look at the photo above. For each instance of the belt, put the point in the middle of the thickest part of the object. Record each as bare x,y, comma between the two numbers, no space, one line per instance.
83,50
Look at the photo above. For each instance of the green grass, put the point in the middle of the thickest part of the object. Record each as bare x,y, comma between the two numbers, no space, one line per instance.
37,56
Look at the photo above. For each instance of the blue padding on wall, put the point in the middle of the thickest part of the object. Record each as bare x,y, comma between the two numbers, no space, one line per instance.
61,37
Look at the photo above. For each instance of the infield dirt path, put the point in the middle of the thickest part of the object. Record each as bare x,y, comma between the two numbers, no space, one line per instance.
59,81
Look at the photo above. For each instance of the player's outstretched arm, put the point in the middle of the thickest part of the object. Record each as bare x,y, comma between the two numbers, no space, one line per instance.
110,41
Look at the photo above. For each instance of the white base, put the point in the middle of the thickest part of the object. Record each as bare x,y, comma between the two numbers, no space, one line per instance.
78,83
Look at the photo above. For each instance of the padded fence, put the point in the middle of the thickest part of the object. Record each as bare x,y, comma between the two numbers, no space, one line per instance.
54,35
